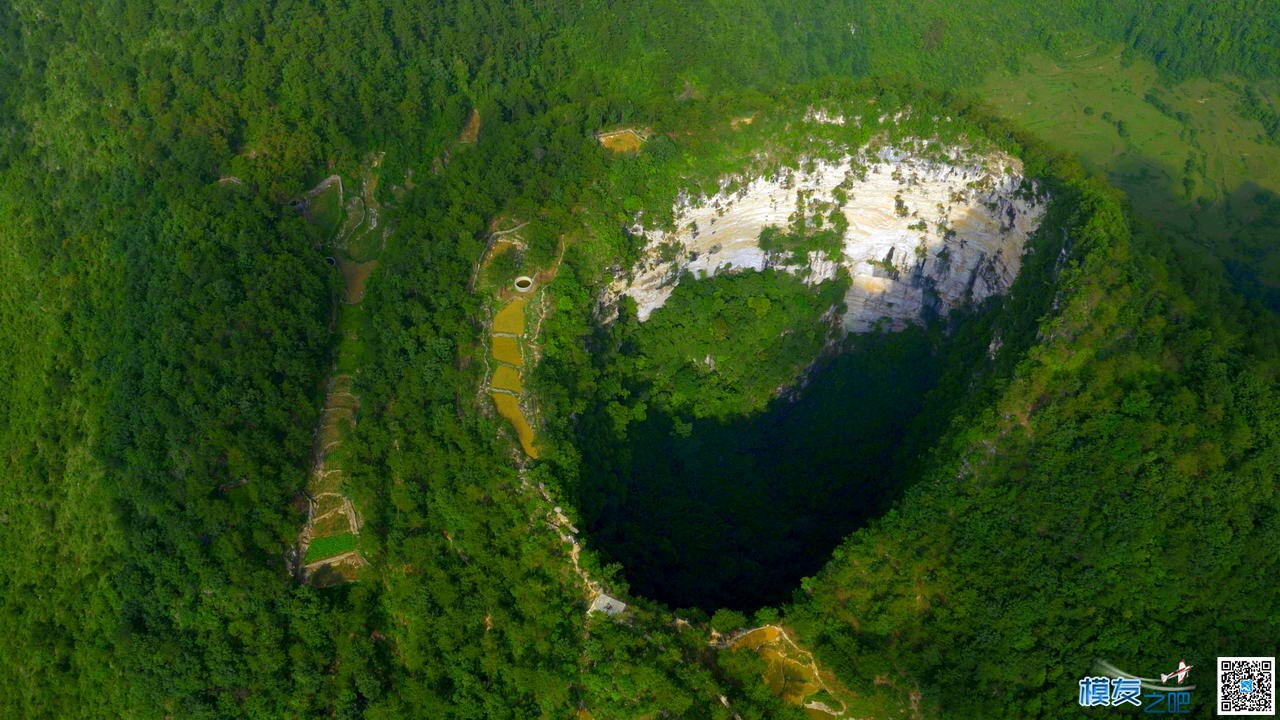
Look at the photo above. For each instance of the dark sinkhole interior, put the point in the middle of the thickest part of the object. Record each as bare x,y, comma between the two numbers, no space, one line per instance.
734,513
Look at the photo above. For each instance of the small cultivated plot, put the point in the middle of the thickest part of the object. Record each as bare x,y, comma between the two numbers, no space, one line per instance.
791,672
324,210
365,241
509,408
507,350
327,547
624,141
506,377
331,518
355,275
500,263
510,319
352,221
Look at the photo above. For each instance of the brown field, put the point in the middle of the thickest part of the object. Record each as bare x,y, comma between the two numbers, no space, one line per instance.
471,131
507,378
327,500
330,431
510,319
325,485
507,350
786,676
509,408
339,412
335,571
791,672
334,524
622,141
355,275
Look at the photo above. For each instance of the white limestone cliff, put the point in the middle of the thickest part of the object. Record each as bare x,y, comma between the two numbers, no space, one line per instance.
928,229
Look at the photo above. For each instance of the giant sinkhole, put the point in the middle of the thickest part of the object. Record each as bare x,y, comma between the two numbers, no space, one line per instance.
783,355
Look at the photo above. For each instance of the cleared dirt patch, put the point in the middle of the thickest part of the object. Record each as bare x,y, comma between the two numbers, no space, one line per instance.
507,378
471,131
337,570
507,350
622,141
792,673
331,525
509,408
354,276
787,677
510,319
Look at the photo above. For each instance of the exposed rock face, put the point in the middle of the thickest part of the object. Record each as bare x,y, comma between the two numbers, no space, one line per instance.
922,234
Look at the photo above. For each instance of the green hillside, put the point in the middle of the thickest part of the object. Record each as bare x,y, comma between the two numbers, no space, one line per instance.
1098,484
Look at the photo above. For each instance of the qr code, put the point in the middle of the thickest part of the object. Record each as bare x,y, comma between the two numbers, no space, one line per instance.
1246,686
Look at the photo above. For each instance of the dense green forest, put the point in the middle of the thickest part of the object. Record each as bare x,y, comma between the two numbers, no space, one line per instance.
1098,488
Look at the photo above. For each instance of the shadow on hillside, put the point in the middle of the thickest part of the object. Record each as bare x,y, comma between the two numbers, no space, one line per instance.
1238,233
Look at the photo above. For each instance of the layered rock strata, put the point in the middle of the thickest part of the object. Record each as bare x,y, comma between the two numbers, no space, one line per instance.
925,230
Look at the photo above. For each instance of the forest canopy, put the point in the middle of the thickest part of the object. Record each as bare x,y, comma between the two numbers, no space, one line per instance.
1095,484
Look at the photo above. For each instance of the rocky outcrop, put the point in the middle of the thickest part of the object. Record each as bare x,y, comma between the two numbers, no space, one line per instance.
925,229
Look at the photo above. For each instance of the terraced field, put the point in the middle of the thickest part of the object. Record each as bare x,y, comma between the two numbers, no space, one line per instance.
328,545
791,672
506,384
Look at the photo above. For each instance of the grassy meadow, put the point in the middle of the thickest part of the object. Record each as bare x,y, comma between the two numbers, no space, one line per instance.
1187,156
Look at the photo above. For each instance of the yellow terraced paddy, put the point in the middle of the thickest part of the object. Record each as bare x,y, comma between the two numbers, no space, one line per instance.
507,378
509,408
507,350
510,319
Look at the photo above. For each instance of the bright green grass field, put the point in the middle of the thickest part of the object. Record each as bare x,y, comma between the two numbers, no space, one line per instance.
1208,174
325,547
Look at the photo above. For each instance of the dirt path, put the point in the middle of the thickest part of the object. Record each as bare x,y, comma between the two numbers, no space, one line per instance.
323,185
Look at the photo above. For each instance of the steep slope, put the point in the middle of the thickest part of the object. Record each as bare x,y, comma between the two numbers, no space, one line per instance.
916,227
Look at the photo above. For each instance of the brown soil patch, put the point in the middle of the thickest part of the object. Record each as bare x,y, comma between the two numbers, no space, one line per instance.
337,570
792,673
327,501
622,141
326,484
330,525
738,122
354,276
788,678
471,131
330,434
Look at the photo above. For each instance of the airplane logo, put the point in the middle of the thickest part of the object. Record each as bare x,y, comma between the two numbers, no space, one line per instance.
1180,673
